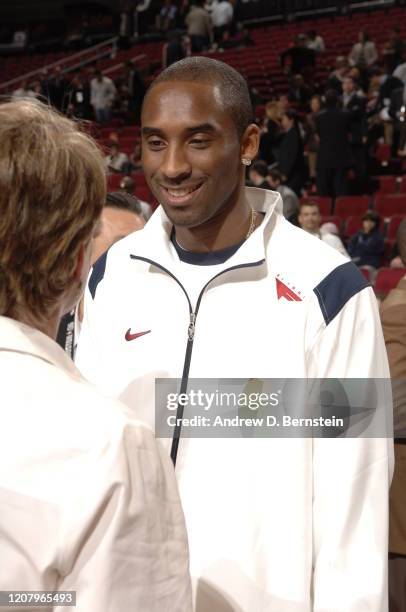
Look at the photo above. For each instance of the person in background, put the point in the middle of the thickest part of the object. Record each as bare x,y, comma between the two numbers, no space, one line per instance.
121,216
173,51
355,105
127,185
299,93
23,91
263,178
102,95
311,137
270,133
258,174
302,60
310,219
88,499
289,198
199,27
336,78
394,50
221,16
393,317
315,42
136,88
290,155
334,153
166,19
116,160
363,56
366,247
78,97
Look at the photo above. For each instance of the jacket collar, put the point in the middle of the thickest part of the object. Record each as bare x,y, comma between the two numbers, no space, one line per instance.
17,337
154,243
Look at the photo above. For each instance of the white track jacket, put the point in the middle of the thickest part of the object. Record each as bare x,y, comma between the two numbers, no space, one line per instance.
88,500
274,525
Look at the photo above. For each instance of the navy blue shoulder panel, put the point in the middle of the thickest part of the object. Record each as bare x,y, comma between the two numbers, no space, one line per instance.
337,288
97,273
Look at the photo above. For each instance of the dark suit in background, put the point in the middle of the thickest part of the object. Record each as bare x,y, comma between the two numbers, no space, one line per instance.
397,103
290,160
334,155
358,128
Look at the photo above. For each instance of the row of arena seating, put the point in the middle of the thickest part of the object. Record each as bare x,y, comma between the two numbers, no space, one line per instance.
385,204
385,280
260,64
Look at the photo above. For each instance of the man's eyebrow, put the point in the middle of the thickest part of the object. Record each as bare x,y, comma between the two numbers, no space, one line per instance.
195,129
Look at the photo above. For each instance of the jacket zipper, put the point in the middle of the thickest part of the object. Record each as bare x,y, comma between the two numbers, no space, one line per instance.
191,334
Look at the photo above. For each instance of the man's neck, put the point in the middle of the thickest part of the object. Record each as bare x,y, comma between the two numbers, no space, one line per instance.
48,326
228,227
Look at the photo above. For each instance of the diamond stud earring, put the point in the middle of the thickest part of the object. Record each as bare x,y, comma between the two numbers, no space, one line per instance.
246,161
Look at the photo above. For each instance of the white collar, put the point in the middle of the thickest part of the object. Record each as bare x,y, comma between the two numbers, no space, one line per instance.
154,243
16,337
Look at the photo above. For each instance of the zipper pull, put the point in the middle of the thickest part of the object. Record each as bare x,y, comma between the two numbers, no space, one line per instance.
191,328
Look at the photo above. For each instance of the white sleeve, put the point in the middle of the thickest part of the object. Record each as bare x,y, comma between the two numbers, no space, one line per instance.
351,477
125,532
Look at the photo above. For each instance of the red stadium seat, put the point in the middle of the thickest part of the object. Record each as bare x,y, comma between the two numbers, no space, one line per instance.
114,180
387,279
389,205
347,206
402,185
324,204
352,225
383,154
393,225
387,184
143,193
366,272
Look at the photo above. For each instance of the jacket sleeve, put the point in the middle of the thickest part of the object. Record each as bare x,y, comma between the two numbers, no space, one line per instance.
124,531
351,476
88,356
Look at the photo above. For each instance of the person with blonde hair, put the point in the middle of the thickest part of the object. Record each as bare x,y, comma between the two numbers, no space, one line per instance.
89,505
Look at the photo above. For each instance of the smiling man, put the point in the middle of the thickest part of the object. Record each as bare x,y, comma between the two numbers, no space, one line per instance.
213,287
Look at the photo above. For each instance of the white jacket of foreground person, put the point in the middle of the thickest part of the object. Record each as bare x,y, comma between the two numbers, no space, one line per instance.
274,525
88,500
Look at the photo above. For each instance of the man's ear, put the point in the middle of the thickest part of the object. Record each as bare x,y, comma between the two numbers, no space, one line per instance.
250,142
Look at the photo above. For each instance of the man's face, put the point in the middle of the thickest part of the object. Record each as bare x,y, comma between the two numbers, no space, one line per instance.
274,183
348,86
190,152
309,218
114,224
368,225
256,178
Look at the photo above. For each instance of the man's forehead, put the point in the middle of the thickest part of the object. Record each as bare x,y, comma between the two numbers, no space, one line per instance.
183,99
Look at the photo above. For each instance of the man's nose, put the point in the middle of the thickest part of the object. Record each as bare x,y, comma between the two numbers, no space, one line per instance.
176,165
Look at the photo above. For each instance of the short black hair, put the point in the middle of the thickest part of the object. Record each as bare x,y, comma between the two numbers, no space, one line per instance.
260,167
233,87
371,215
331,99
123,201
276,175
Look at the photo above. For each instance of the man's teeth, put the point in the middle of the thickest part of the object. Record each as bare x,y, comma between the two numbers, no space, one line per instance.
181,193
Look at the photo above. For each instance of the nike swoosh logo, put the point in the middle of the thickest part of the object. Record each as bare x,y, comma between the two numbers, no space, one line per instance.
129,336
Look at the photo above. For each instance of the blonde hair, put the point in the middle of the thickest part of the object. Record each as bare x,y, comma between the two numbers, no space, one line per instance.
52,190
